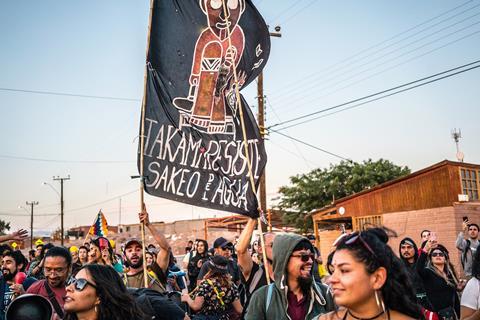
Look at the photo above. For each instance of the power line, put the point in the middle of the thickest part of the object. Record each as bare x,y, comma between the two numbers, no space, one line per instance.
297,12
289,86
389,68
372,100
100,202
62,161
9,214
375,60
312,146
53,93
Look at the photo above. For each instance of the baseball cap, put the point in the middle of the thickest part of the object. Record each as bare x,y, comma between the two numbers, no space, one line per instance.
132,241
222,243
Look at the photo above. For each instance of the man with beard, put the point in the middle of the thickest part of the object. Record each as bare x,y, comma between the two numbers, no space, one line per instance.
11,284
467,245
133,251
57,267
409,255
294,294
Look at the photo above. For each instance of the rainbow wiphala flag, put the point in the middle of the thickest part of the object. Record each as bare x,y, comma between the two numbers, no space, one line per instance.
100,226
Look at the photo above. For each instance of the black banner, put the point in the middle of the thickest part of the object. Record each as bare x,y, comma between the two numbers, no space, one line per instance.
194,149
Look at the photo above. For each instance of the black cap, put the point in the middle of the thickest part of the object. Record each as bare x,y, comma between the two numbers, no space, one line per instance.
29,307
222,243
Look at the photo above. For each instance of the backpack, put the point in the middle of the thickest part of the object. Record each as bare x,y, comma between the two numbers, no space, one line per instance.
464,253
157,305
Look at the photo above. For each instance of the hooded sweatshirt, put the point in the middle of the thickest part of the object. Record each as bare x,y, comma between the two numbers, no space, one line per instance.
319,299
412,272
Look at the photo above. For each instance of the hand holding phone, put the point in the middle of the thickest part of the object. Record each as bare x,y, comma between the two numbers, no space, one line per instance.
433,237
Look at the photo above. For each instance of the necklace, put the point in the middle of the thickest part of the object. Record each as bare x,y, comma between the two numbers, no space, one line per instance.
358,318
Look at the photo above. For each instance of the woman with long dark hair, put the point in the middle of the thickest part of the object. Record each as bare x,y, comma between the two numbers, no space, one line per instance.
470,303
440,280
216,294
195,263
97,293
369,281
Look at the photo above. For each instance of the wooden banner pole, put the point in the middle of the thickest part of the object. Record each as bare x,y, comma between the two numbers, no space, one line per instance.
142,145
245,140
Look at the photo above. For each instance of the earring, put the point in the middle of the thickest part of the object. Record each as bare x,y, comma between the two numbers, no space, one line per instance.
95,308
379,301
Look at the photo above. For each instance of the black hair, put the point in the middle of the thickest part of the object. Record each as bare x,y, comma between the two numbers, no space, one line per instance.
31,252
220,274
4,248
82,247
45,247
59,252
475,225
425,230
19,258
115,301
397,291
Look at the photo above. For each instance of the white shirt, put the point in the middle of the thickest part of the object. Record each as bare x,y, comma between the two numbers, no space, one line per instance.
471,294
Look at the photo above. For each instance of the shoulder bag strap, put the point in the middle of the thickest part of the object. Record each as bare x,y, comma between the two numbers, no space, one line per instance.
53,300
256,278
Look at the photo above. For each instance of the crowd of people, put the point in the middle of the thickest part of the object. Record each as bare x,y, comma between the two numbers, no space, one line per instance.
281,276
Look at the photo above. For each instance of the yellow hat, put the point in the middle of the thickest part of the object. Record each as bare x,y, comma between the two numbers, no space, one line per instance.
112,243
73,249
39,242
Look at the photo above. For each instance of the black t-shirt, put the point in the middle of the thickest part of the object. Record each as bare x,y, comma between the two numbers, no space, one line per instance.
256,280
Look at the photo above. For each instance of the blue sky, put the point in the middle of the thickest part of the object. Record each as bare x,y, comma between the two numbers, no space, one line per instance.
330,52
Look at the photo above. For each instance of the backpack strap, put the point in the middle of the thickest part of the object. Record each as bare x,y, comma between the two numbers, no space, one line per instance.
53,300
256,278
269,296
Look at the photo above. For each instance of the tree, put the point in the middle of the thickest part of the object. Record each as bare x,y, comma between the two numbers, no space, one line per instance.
320,187
4,226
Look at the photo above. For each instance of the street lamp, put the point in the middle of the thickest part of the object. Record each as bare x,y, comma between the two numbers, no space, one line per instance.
31,204
52,187
60,194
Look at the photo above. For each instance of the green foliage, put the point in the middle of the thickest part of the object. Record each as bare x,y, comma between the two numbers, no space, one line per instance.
4,226
320,187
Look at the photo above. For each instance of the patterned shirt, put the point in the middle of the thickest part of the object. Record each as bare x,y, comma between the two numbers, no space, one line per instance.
218,299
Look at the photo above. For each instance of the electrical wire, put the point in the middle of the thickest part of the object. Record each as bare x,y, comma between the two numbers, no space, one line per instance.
104,201
311,146
297,12
372,100
53,93
63,161
308,77
377,64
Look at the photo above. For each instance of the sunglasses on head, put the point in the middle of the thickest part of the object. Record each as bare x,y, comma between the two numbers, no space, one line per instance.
358,237
304,256
79,284
438,254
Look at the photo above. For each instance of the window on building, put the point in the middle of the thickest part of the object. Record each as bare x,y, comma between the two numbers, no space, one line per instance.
128,229
366,222
470,183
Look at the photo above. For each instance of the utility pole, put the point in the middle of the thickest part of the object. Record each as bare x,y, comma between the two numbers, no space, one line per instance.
61,179
261,125
31,204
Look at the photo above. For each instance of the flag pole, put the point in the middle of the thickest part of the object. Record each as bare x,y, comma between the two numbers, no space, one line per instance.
245,142
142,144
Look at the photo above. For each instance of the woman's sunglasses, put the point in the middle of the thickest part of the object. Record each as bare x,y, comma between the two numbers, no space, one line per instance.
358,237
438,254
79,284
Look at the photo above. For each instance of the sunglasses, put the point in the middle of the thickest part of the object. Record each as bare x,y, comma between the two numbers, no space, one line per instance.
79,284
438,254
358,237
304,256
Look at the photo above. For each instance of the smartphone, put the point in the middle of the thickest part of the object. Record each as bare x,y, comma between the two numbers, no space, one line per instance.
465,219
433,236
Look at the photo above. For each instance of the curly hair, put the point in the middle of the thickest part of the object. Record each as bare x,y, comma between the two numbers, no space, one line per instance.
115,301
372,251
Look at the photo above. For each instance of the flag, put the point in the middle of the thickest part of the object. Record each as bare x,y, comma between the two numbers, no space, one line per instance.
194,149
100,226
